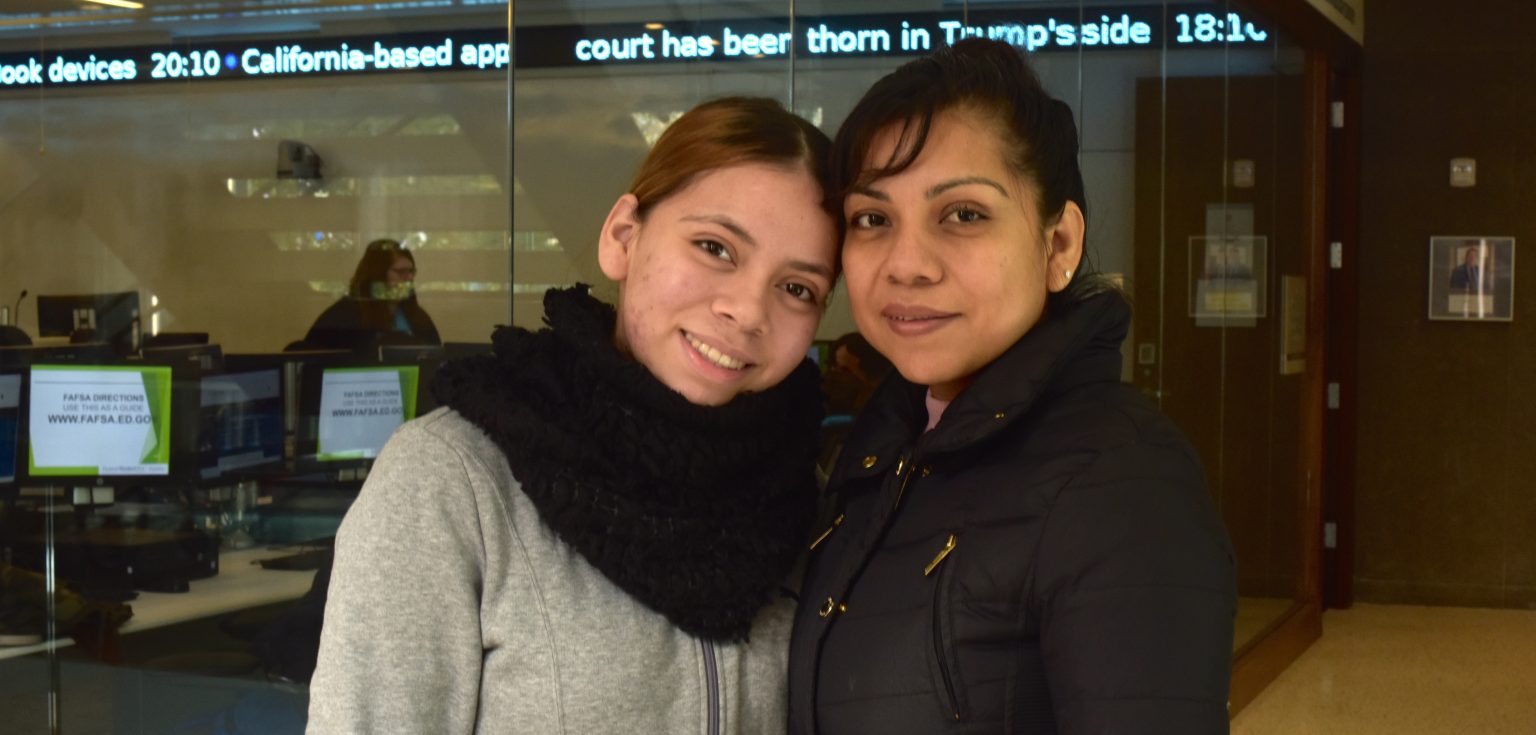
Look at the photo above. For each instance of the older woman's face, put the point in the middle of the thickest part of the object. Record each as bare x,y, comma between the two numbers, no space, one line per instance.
948,263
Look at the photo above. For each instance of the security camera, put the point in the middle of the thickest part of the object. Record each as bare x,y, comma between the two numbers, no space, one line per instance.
296,160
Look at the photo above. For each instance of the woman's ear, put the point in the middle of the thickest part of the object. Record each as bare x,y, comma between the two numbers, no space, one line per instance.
1065,242
616,241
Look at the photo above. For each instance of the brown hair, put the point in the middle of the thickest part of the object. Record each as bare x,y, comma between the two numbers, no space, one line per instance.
729,131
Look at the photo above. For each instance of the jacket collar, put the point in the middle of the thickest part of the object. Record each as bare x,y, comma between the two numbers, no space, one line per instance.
1077,345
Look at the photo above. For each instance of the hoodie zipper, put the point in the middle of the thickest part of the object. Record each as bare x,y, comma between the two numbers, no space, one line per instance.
712,681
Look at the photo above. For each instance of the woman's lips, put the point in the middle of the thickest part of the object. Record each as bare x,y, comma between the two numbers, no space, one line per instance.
723,357
719,367
914,321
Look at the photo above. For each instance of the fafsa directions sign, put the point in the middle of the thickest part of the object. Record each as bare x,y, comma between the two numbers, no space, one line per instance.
93,421
361,407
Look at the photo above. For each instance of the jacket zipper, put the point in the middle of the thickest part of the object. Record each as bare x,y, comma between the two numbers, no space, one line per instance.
938,630
901,489
824,534
712,681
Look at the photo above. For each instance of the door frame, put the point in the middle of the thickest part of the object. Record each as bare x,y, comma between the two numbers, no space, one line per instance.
1332,185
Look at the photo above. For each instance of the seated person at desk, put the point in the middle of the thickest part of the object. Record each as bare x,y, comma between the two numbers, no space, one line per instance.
380,306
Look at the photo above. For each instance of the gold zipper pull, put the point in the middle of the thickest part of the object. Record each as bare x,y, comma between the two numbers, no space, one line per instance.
943,554
832,606
826,533
901,489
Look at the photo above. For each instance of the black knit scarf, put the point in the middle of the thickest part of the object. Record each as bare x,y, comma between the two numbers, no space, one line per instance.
698,512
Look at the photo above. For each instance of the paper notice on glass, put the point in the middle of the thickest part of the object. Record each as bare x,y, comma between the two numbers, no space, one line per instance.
1293,327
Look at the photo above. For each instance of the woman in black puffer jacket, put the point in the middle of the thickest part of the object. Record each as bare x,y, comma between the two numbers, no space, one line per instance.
1024,544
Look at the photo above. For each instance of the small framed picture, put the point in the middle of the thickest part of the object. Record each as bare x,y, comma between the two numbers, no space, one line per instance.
1228,276
1472,278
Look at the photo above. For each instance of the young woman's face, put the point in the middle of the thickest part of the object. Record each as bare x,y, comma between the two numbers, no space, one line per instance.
401,270
947,262
722,283
397,282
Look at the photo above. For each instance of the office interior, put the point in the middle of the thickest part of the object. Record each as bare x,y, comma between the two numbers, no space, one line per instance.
187,185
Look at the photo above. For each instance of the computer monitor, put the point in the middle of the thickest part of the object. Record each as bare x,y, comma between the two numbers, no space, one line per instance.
24,357
10,424
96,421
240,422
112,318
402,353
458,350
205,357
821,353
359,407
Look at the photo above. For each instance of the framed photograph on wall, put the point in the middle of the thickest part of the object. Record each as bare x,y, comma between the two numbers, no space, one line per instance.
1228,276
1472,278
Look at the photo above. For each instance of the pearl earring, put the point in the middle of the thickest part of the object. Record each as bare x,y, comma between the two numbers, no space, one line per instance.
1069,274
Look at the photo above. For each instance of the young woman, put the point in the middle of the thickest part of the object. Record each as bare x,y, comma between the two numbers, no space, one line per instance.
592,535
1025,544
380,305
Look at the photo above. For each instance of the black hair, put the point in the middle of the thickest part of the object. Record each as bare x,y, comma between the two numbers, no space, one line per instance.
991,77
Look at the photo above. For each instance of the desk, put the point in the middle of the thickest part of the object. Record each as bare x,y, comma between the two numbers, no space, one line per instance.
240,584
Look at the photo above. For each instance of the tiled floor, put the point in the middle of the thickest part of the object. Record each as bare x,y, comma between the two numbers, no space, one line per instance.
1406,671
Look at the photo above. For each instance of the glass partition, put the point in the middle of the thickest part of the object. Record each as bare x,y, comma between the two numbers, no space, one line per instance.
187,193
201,349
1220,288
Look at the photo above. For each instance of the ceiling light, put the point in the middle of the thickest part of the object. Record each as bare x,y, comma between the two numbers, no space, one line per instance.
129,4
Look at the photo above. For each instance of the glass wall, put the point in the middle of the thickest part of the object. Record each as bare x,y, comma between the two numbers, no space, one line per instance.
1191,122
187,188
186,193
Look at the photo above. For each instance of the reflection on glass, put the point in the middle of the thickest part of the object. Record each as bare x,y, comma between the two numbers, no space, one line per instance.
403,186
169,189
494,241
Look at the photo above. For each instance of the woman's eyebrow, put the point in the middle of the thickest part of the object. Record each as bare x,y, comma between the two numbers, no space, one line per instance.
726,222
942,187
812,268
934,190
870,192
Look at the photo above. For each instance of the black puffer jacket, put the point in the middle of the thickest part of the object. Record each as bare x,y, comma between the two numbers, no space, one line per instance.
1047,559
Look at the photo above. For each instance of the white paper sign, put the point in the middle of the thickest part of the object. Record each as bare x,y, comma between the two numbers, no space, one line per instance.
359,409
98,421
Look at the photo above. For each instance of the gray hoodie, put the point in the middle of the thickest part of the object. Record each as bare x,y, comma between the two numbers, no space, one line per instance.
453,609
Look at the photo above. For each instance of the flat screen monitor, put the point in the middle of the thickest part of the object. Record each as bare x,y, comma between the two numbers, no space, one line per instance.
112,318
24,357
10,423
99,421
205,357
361,406
240,421
409,353
457,350
821,354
